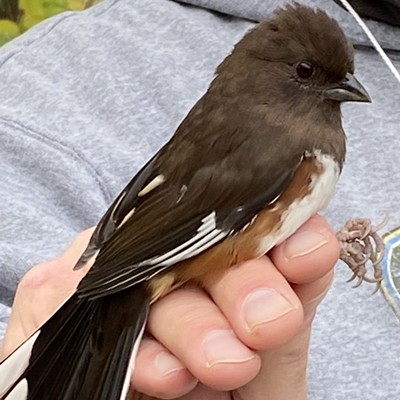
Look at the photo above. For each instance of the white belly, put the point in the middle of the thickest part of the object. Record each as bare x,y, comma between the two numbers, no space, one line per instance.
322,189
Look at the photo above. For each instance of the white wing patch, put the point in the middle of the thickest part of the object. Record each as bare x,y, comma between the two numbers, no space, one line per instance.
157,181
322,189
121,197
207,235
15,365
127,216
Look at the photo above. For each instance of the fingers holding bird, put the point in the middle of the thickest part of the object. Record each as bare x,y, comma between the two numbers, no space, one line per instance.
299,257
217,338
252,307
306,259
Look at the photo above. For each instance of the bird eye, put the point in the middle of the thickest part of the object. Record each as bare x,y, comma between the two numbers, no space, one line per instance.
304,70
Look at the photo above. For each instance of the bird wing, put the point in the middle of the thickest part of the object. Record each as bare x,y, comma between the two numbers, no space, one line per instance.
150,227
126,201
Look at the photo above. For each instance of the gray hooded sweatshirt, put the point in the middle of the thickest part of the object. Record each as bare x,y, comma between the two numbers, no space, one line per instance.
87,97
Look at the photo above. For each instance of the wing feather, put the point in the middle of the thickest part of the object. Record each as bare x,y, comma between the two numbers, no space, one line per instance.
188,211
116,215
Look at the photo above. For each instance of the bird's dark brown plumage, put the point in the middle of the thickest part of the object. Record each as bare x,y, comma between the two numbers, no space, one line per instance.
266,135
254,107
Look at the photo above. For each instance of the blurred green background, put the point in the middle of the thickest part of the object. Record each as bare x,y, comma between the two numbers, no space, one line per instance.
17,16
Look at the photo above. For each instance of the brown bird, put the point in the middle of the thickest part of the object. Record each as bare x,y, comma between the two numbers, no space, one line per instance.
257,156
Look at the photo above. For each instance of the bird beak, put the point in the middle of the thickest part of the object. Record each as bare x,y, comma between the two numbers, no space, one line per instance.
349,89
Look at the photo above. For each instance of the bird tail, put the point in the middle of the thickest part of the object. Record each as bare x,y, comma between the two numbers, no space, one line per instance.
85,351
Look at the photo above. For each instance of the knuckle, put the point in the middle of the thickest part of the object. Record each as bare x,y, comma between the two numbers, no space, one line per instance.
39,276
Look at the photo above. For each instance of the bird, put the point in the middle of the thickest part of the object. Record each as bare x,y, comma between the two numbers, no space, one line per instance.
258,154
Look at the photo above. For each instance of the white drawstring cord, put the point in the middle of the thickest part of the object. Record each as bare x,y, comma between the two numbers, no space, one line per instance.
372,38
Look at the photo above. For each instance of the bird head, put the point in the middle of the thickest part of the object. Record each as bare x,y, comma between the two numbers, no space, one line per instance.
300,53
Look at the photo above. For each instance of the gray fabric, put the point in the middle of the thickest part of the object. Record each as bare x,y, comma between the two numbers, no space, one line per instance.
384,10
87,97
257,10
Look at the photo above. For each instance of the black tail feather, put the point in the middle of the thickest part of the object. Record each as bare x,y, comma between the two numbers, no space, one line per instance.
84,351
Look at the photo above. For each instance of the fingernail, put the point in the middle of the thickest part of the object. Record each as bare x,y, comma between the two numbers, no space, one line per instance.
222,347
166,363
265,305
302,243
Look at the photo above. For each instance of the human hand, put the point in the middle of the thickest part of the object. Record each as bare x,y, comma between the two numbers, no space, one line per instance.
239,342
